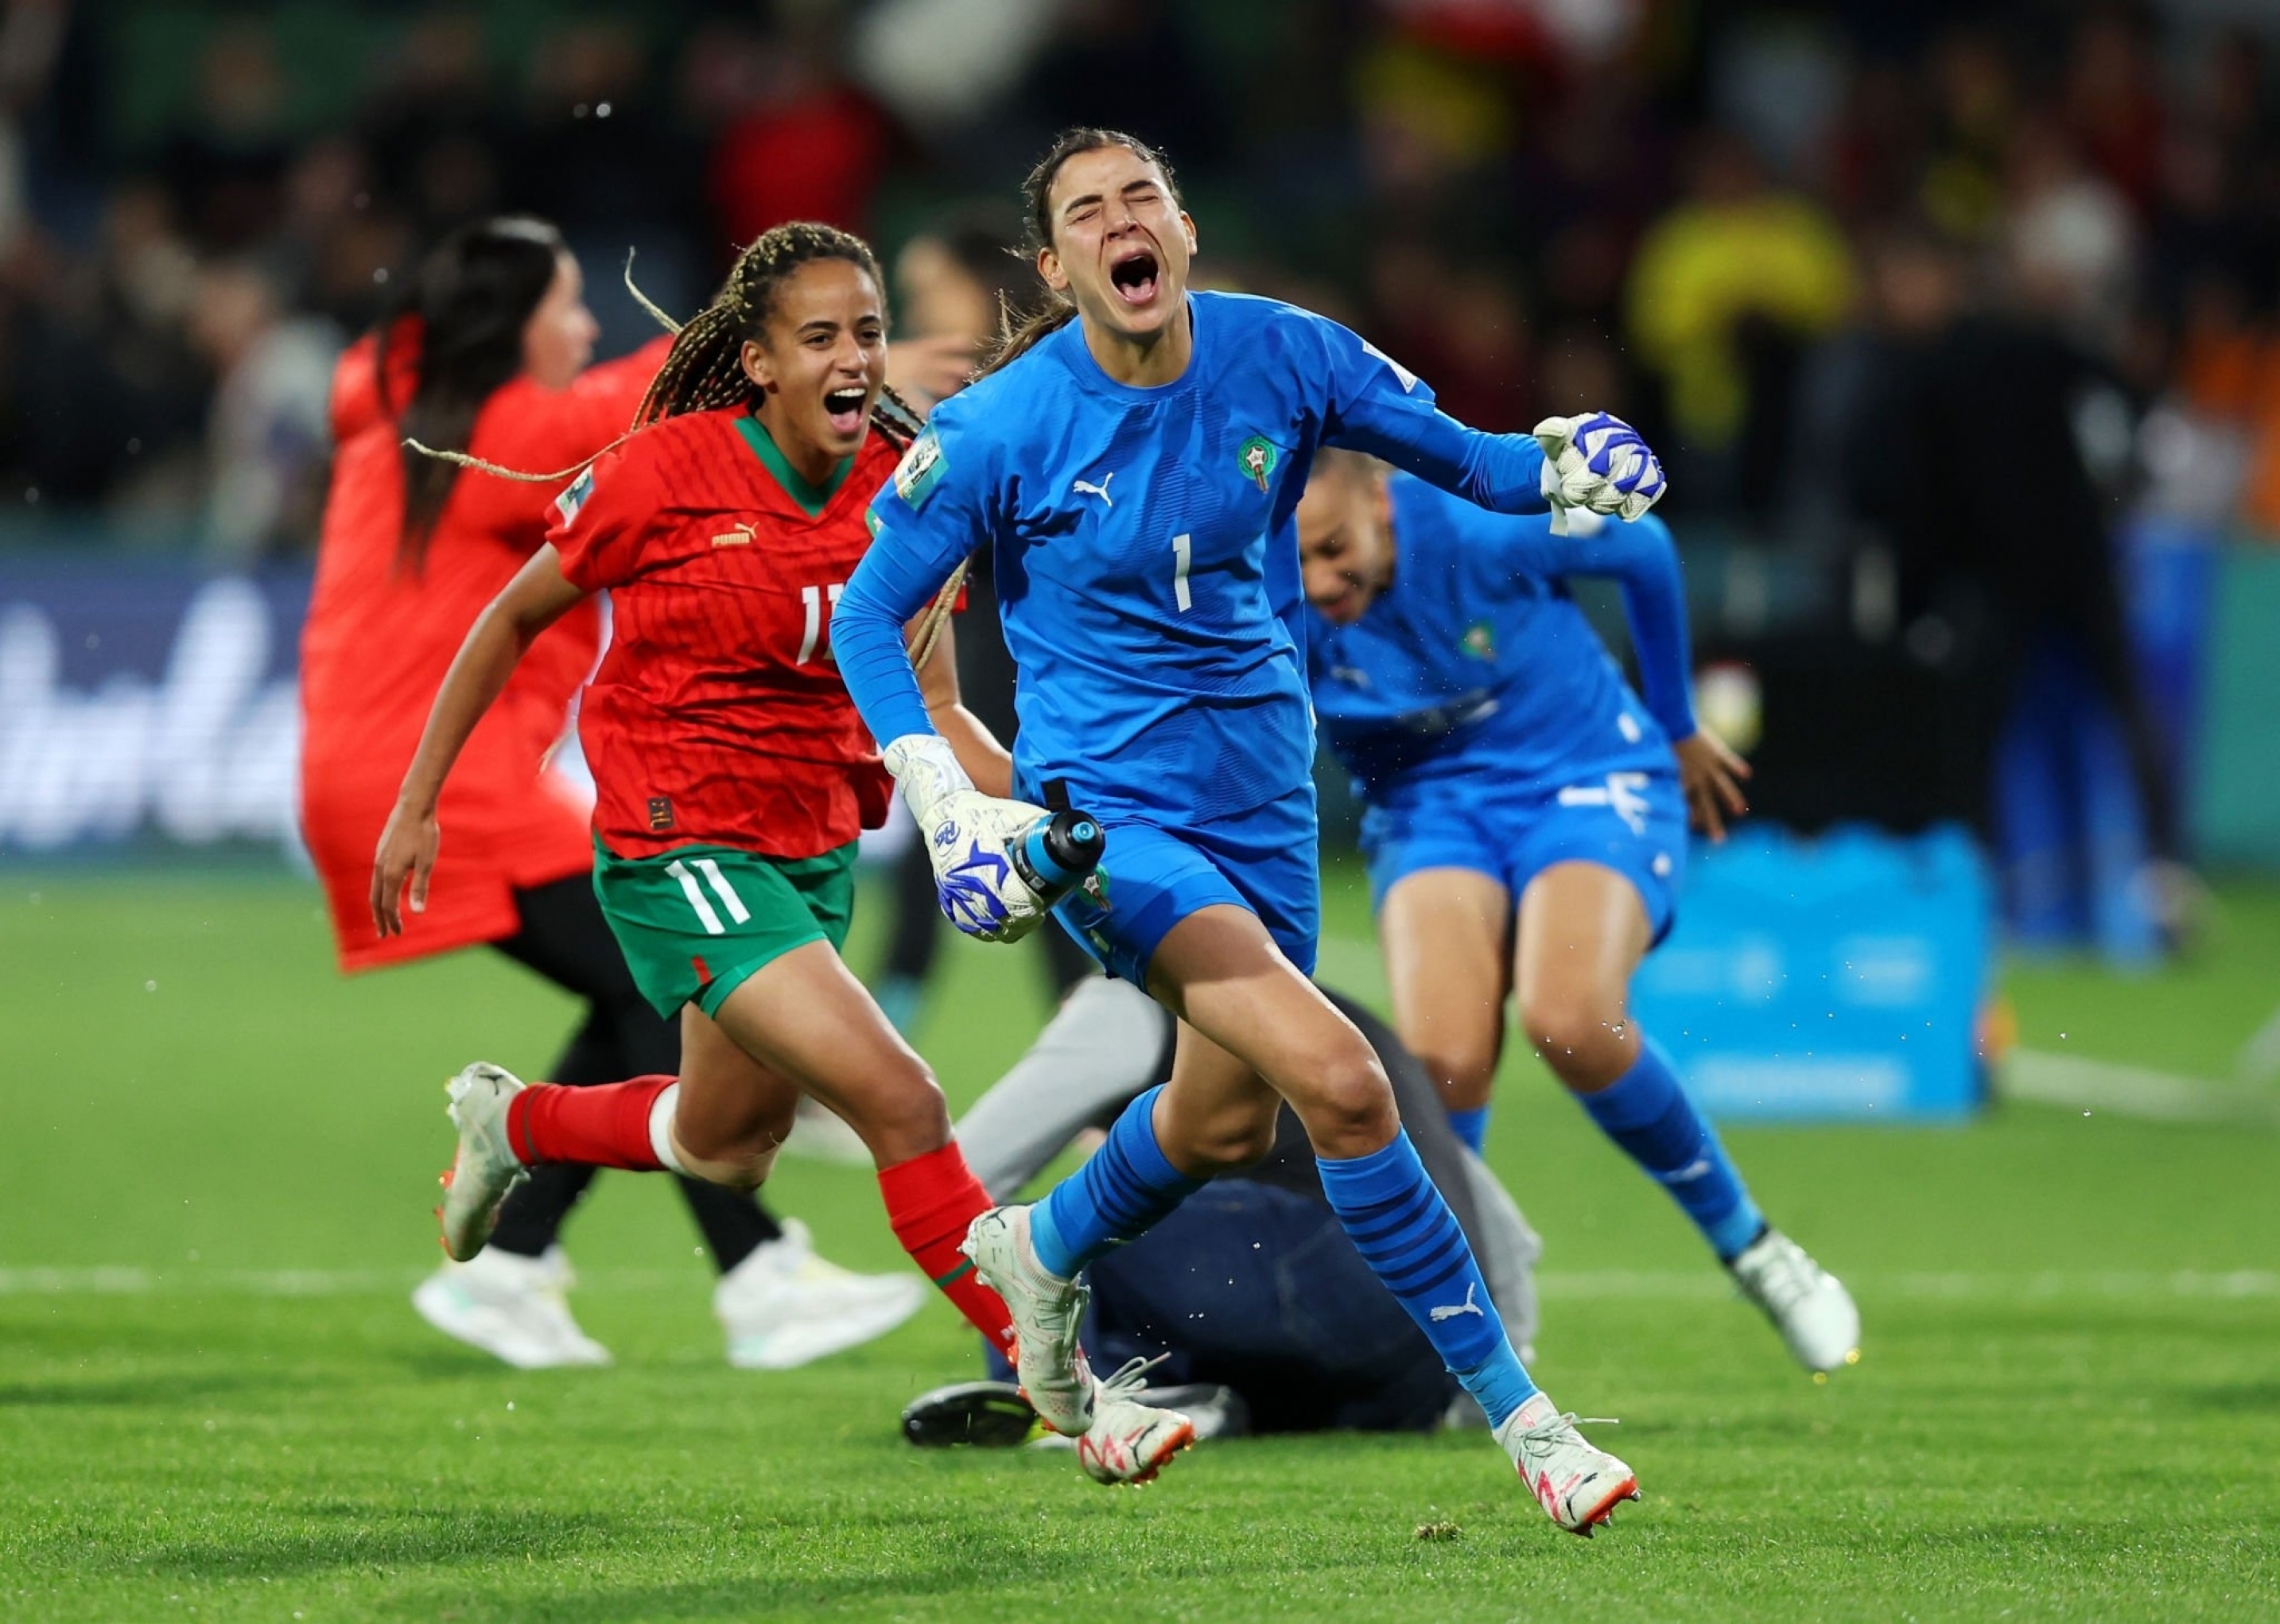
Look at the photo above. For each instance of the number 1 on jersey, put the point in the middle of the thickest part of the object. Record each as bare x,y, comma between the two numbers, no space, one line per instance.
1182,547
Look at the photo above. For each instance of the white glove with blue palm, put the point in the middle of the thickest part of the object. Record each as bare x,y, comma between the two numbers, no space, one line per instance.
970,839
1599,464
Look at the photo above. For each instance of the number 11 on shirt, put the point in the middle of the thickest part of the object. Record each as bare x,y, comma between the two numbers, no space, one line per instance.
812,600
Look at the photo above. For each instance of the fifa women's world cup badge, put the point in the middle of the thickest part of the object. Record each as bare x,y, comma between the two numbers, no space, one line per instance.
1258,454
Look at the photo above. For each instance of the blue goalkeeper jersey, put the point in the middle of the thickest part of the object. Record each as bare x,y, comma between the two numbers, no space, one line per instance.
1476,660
1145,557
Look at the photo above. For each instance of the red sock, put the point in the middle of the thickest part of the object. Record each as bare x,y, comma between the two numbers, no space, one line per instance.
605,1126
930,1200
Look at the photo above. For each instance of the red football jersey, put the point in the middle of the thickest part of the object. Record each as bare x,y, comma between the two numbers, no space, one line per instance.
378,641
718,716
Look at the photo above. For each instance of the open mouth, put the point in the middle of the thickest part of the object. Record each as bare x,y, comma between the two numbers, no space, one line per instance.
845,408
1134,276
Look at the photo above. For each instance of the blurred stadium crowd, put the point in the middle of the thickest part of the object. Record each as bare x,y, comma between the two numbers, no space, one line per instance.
1723,220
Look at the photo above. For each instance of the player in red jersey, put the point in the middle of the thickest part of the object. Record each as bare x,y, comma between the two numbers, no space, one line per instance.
733,779
487,352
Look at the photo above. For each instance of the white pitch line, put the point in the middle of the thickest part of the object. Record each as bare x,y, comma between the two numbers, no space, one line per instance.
2131,1090
1703,1283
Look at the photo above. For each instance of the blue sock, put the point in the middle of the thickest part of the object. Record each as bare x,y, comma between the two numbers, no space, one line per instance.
1472,1126
1647,1112
1407,1236
1126,1186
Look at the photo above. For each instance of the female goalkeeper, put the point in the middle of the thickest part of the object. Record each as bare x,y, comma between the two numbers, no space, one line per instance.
1526,822
733,779
1133,459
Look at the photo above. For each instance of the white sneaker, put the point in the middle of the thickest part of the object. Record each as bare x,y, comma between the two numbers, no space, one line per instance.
1129,1442
512,1307
1576,1484
1808,1307
485,1168
783,1305
1046,1311
819,1135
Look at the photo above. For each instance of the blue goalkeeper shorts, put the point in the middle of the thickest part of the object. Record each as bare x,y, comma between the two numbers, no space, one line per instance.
1633,822
1155,876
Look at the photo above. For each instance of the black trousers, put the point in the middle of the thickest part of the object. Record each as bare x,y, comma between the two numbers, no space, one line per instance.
564,938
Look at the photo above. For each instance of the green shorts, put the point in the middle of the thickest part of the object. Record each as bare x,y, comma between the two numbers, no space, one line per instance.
696,922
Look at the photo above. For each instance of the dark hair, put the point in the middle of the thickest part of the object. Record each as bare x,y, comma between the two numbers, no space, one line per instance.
986,245
1036,205
473,296
704,369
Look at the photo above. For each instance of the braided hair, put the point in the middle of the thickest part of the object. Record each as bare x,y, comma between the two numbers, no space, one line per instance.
704,369
1059,310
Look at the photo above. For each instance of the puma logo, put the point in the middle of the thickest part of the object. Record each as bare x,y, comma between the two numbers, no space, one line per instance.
1447,1311
741,536
1086,487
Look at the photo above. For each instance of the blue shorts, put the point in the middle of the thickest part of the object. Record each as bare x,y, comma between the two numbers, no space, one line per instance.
1152,877
1633,822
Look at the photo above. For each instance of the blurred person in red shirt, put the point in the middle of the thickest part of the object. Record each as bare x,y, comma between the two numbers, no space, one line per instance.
812,145
487,354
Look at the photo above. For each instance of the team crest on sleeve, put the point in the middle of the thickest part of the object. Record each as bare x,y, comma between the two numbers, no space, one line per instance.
1479,640
574,496
1408,379
921,469
1257,455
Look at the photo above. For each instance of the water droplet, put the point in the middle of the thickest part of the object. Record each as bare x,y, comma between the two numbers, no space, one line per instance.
510,1404
149,986
601,110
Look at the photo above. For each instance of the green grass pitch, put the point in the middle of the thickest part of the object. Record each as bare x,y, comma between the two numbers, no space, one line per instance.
216,1163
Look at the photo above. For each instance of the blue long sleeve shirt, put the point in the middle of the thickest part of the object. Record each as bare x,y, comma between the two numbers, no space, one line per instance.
1476,659
1145,557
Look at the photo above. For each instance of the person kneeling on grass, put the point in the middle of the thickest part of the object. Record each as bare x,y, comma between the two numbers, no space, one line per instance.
1262,1315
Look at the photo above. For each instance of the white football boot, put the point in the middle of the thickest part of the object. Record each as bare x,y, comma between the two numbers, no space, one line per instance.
1576,1485
1808,1307
1046,1311
512,1307
783,1305
1129,1441
485,1168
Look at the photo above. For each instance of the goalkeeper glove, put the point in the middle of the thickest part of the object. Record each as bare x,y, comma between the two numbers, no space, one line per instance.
1599,464
970,839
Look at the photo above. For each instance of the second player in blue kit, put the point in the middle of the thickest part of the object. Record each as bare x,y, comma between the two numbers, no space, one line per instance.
1526,822
1133,458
